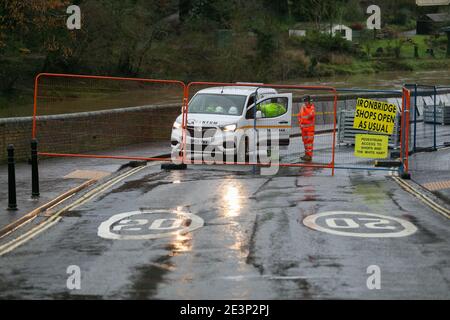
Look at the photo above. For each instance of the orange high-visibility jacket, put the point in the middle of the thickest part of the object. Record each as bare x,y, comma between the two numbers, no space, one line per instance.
307,114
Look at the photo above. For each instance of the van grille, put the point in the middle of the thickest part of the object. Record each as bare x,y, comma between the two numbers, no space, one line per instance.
207,132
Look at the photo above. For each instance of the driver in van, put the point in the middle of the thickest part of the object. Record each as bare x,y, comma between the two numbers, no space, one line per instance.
233,110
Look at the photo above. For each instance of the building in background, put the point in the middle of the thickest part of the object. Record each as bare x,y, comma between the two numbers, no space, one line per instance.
432,23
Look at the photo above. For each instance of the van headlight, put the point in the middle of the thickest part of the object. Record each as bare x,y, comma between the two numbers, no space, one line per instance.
229,128
176,125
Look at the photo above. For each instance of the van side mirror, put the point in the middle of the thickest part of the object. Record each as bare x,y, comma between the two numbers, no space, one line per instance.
258,114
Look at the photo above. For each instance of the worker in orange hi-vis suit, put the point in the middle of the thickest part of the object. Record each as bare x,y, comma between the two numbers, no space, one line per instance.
306,120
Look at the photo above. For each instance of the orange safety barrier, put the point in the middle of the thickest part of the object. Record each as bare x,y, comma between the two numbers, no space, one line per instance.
330,165
182,98
404,140
121,81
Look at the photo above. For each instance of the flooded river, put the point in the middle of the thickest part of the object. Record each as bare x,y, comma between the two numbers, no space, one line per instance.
56,101
384,80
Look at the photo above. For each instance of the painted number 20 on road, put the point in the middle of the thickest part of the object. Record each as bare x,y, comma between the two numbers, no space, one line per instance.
148,224
359,224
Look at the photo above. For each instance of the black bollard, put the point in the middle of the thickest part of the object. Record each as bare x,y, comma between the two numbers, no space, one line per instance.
12,198
34,170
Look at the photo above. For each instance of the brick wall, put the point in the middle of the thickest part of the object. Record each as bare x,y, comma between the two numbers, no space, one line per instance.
88,131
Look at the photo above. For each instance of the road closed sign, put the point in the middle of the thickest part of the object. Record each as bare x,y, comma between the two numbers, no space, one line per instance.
371,146
376,116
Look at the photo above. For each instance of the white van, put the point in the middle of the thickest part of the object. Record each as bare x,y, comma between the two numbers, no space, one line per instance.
231,109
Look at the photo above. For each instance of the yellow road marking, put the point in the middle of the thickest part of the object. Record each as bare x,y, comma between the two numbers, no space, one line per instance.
34,213
431,203
10,246
14,243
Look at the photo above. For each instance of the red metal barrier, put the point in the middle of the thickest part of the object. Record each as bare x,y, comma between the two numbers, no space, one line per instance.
404,140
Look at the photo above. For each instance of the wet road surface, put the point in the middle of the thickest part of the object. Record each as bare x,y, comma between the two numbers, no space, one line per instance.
253,243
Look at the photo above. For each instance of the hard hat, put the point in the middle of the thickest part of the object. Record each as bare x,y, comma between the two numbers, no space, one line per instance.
219,109
233,110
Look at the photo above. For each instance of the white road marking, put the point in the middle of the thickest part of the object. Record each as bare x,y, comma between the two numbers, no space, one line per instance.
368,221
107,230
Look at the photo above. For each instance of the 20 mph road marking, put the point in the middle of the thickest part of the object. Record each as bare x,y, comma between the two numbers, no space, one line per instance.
359,224
148,224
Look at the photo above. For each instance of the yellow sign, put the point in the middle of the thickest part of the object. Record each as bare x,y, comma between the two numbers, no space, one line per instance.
375,116
371,146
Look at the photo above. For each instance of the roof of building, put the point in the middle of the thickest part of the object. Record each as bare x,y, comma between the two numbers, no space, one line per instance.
438,17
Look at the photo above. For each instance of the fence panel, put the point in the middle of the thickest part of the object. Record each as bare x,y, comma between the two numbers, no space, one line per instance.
216,105
351,139
105,117
430,109
430,130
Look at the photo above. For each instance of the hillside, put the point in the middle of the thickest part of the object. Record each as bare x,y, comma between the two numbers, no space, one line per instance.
226,40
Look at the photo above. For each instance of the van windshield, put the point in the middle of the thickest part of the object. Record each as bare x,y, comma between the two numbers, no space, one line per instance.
231,105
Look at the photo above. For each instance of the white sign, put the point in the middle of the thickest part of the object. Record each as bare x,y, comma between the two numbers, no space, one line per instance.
149,224
359,224
432,2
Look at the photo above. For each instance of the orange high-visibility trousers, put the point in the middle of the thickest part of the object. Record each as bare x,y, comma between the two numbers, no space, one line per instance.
308,140
306,120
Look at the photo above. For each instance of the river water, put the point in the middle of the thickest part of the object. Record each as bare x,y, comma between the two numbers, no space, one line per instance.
383,80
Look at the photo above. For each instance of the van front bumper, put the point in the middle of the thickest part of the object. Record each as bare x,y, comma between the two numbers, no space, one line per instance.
223,144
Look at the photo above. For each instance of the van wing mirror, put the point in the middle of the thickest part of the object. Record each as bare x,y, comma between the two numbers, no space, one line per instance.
258,114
